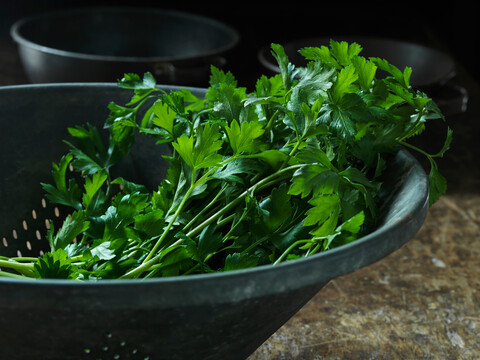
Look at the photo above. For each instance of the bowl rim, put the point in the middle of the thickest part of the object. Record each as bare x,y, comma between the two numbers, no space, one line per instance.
21,40
418,207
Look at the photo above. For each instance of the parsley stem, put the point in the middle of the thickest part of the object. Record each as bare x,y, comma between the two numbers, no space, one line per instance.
271,122
23,258
204,209
7,274
294,150
254,245
264,183
147,264
290,248
427,155
23,268
169,226
226,220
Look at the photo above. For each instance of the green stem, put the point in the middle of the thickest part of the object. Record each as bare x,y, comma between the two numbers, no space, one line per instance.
204,209
264,183
7,274
226,220
169,226
255,244
271,122
290,248
146,265
414,128
294,150
413,147
23,258
23,268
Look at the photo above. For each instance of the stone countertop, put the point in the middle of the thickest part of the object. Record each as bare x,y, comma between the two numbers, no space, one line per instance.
420,302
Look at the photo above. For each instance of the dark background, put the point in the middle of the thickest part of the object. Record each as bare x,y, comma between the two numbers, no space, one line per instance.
453,28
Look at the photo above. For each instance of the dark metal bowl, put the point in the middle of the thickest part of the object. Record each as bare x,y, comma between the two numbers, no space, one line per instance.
102,43
212,316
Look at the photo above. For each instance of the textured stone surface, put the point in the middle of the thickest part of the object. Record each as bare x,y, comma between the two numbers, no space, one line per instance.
421,302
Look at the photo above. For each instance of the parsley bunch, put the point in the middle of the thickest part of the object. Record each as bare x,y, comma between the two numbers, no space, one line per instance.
292,169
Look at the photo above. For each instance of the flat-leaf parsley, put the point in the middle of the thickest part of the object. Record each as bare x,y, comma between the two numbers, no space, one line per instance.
289,170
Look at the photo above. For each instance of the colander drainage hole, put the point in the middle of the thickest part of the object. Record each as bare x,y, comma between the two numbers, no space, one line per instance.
116,356
110,352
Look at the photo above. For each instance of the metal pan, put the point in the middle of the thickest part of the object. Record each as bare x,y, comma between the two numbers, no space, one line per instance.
433,70
102,43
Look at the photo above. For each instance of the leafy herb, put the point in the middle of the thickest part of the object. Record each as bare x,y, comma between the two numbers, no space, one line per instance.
292,169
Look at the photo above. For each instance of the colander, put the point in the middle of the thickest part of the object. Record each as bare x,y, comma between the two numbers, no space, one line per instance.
210,316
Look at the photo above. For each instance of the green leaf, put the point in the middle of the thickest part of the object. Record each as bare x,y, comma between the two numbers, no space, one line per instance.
121,122
135,82
311,154
236,169
218,77
164,116
313,180
122,213
200,152
354,224
315,80
129,187
91,154
402,77
295,231
345,82
367,188
92,186
209,242
242,137
85,163
72,226
238,261
446,144
343,116
53,265
230,103
437,185
277,208
150,223
344,52
366,71
62,193
275,158
324,207
287,69
313,85
226,97
321,54
175,259
340,120
59,172
102,251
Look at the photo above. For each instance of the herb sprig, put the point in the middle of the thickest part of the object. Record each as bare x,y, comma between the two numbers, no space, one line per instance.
289,170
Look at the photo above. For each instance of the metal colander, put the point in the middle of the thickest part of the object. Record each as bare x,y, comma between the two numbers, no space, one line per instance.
211,316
